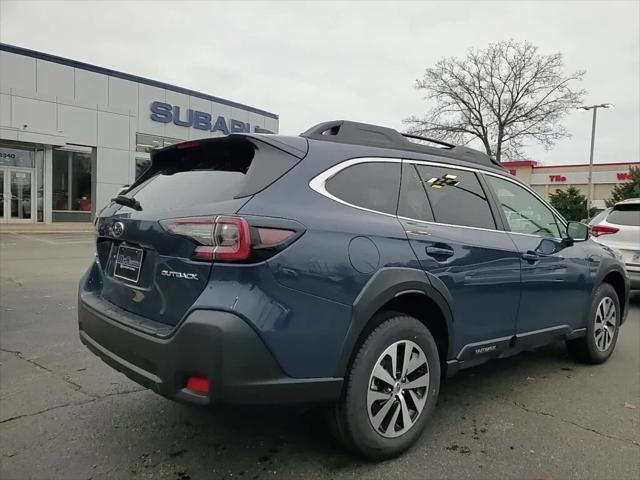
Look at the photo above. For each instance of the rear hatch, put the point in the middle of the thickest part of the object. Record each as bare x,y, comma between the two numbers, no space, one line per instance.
150,272
621,230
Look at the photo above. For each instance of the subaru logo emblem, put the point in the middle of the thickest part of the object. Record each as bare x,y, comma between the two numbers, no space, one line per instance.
117,229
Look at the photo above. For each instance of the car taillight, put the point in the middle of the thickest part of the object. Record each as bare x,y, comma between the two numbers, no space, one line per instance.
598,230
230,238
273,236
219,238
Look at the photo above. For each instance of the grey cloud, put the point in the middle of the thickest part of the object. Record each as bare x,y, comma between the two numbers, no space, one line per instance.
313,61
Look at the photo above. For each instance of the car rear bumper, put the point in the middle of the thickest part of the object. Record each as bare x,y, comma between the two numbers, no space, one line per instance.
215,345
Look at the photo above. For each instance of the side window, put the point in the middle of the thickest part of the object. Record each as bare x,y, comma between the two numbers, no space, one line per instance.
456,197
372,185
524,212
413,197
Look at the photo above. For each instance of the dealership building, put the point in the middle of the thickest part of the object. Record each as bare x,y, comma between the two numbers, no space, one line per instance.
546,179
72,134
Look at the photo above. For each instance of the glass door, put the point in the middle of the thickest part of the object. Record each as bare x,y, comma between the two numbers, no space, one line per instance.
3,208
17,191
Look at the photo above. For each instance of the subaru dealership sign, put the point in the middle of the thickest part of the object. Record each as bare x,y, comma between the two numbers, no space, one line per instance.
167,113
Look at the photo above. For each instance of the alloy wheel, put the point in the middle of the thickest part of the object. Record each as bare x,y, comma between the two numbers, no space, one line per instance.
398,389
605,324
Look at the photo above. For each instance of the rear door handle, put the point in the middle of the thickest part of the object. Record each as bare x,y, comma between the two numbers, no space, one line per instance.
531,257
439,251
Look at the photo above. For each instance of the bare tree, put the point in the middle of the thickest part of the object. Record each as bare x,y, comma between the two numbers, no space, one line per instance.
505,95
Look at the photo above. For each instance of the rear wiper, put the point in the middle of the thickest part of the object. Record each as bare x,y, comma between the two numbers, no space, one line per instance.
127,202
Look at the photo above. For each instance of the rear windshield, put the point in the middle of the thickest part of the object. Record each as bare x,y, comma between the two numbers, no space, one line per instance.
626,214
599,217
210,172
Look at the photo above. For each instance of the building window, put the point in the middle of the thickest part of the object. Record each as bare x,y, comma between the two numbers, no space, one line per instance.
17,157
40,185
71,181
146,143
142,165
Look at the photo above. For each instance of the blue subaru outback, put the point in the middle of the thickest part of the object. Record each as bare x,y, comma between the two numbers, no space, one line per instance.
352,265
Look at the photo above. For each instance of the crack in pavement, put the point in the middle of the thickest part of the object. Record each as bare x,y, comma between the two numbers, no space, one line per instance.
522,406
70,404
76,387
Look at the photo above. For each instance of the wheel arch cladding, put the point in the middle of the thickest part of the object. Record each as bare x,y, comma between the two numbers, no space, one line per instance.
616,280
401,290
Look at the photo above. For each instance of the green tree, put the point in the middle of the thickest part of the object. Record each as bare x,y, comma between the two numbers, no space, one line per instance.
628,189
571,204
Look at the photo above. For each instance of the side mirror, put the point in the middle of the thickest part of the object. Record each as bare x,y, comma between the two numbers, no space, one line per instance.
577,231
123,189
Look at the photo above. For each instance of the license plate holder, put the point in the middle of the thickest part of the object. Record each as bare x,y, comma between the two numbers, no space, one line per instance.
128,263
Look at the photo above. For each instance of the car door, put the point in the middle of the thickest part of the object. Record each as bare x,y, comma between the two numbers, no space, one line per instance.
458,243
556,284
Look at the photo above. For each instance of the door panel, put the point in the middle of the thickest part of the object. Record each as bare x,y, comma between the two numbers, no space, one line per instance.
479,266
555,284
481,270
555,274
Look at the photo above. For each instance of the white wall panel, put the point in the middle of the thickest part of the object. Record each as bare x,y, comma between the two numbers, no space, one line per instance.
147,95
113,130
78,125
5,110
172,130
17,71
123,94
256,120
105,192
55,80
91,87
240,114
133,128
113,166
38,115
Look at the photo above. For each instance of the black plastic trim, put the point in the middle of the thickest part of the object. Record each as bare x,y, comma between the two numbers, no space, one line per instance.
219,346
610,265
477,353
386,284
356,133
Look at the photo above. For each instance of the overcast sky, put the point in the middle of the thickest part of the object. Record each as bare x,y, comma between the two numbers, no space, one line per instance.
310,62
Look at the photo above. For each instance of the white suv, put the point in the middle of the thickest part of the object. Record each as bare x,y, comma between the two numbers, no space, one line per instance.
618,227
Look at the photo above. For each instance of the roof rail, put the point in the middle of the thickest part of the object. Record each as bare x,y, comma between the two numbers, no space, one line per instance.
427,139
344,131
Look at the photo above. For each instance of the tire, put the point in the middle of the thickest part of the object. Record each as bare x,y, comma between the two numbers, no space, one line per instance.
367,398
598,344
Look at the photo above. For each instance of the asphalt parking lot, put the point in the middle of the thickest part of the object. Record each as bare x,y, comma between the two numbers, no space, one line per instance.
66,415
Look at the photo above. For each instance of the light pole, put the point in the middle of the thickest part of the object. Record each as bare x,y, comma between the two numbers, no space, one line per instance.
595,108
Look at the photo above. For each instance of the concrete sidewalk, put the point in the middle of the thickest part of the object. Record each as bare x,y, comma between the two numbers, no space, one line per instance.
36,228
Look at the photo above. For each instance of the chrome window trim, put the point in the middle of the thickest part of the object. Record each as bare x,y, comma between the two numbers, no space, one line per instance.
317,184
452,225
